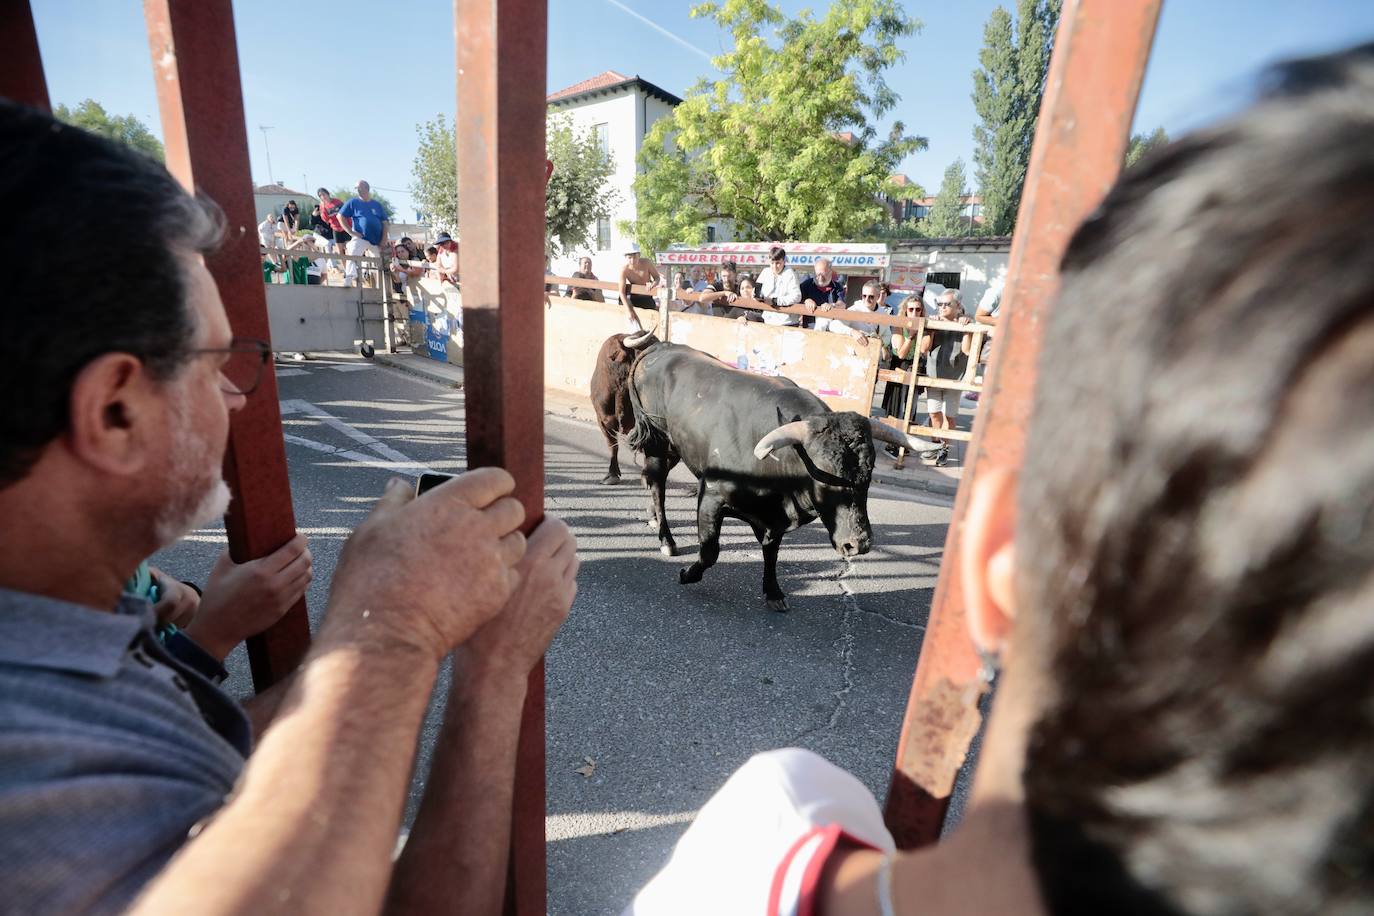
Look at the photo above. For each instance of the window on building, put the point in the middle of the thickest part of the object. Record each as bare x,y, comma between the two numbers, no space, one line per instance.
710,233
603,139
922,211
603,234
947,279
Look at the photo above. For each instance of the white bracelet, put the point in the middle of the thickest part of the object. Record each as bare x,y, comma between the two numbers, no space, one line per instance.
885,887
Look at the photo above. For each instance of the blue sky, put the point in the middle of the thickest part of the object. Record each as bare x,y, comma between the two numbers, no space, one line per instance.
329,129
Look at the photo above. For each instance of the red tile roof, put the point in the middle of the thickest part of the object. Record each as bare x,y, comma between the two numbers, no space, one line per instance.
609,78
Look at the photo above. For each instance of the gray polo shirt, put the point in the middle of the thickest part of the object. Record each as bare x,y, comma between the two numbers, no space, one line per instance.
111,751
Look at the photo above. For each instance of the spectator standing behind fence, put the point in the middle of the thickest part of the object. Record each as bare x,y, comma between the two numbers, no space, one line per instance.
905,346
448,258
584,272
365,221
291,217
822,290
637,271
862,331
778,286
404,274
946,354
267,230
329,209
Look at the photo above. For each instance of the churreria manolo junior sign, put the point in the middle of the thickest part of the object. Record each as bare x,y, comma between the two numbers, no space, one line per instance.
846,257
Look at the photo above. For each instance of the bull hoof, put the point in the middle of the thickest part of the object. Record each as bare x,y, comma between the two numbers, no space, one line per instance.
611,479
688,574
668,550
777,604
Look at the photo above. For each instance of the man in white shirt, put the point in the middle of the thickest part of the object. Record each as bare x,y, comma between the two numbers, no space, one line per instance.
861,331
778,285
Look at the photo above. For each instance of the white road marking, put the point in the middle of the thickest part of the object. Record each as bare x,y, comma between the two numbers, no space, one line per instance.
390,459
286,372
350,367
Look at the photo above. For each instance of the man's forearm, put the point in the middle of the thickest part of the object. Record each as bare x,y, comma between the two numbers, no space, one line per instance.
314,820
470,788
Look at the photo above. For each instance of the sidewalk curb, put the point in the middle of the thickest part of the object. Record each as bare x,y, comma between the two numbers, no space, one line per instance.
449,377
452,377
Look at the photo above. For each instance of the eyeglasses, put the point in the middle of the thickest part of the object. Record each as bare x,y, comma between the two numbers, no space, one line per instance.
242,371
946,305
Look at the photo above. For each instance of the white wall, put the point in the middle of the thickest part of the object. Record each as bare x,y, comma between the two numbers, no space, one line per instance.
628,115
976,270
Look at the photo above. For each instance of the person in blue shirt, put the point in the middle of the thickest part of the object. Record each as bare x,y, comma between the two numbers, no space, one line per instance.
365,220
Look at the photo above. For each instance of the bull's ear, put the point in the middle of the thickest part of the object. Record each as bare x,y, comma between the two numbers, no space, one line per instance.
794,433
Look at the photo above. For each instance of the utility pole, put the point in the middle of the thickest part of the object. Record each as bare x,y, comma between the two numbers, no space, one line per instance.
270,177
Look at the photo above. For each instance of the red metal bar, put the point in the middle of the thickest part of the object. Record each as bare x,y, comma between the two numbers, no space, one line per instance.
501,49
1100,54
21,66
196,68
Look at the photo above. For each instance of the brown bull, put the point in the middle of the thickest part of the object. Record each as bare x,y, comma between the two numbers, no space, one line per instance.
610,392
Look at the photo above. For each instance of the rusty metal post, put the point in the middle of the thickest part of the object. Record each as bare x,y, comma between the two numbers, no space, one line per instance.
196,68
1100,54
21,66
501,50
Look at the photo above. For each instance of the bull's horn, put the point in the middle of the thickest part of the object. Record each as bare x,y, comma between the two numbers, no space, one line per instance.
635,341
787,434
884,433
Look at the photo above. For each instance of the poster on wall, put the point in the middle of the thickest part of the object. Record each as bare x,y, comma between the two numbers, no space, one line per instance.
906,273
436,336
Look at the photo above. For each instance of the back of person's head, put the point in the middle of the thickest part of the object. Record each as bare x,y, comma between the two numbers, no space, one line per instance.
1196,518
131,299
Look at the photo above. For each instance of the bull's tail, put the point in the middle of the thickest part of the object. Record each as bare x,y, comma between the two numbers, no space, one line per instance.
647,436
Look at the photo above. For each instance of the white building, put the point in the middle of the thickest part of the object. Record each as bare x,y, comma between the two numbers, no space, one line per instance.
621,109
969,263
271,198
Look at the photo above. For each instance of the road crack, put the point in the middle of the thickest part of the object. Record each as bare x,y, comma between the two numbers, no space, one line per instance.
850,602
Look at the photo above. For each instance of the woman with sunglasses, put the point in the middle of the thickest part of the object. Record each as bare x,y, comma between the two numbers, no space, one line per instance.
904,348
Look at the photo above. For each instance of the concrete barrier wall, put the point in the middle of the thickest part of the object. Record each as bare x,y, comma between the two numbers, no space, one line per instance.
436,320
832,365
307,318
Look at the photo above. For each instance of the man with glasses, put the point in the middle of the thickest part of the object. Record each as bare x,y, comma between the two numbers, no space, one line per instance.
117,759
861,331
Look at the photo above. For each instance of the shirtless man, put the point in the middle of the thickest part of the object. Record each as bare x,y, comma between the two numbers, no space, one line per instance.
637,272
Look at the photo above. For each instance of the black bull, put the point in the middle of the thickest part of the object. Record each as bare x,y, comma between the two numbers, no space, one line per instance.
763,450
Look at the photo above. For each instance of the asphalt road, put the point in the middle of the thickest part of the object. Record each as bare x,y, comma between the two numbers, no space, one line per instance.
656,691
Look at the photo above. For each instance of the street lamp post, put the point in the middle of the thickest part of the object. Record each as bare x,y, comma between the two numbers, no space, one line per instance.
270,177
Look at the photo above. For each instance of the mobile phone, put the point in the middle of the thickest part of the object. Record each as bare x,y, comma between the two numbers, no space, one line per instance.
428,482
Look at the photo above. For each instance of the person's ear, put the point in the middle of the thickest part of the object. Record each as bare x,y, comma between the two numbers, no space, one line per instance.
114,407
987,560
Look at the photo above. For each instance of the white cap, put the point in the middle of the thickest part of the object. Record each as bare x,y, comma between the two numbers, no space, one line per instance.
631,248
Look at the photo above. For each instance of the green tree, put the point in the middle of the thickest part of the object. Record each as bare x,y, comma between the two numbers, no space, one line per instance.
91,115
345,193
786,143
576,196
1007,88
434,174
946,217
1141,144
